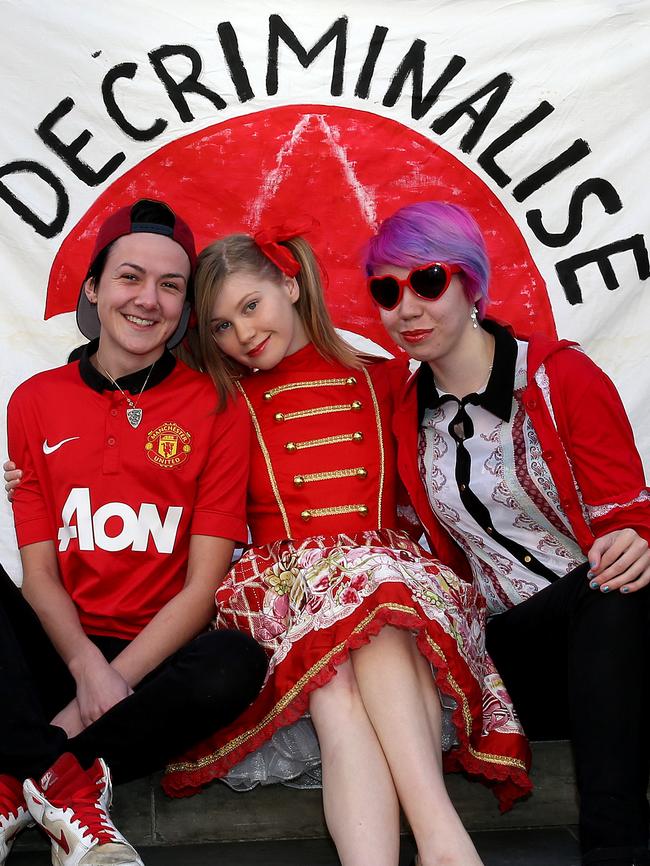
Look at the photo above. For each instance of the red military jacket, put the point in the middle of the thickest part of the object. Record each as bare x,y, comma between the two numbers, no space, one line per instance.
323,456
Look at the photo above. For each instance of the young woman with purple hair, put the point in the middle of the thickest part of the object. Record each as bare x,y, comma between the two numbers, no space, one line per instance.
521,464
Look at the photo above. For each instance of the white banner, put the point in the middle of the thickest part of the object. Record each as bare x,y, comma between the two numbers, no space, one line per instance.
531,113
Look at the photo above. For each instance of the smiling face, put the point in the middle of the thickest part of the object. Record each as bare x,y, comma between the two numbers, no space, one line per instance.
254,320
428,330
139,297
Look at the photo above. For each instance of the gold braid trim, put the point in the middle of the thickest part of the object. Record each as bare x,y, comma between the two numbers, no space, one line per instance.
354,472
382,467
467,716
336,509
319,410
326,440
267,460
318,383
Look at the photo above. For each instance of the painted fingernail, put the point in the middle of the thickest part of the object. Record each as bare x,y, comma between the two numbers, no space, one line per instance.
605,589
592,565
590,573
625,589
593,584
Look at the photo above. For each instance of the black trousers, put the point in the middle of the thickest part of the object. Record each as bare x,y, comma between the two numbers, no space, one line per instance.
202,687
575,661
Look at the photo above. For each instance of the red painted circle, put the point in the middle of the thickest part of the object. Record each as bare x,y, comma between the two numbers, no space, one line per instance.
348,168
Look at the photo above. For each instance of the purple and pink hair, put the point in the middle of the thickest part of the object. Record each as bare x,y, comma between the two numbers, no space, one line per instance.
433,231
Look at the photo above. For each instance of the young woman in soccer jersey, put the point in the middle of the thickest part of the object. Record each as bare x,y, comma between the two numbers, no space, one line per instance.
382,644
131,500
521,463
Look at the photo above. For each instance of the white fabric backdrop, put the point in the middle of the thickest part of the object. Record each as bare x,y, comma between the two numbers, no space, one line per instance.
588,60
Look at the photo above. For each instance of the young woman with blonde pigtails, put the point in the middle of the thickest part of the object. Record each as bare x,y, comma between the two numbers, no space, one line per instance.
364,630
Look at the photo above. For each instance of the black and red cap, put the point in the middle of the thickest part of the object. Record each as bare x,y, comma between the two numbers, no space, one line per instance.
146,216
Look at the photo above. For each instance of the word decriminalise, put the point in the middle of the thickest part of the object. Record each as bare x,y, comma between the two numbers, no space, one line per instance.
477,110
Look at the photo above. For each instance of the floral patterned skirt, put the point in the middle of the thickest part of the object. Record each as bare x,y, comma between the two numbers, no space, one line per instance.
311,603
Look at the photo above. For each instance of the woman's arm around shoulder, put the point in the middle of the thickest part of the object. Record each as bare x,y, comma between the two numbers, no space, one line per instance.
12,478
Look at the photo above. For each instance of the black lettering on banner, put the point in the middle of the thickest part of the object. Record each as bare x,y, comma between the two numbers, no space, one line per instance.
413,66
189,84
480,108
362,89
236,68
573,154
567,268
503,141
279,29
498,88
127,70
43,228
69,153
602,189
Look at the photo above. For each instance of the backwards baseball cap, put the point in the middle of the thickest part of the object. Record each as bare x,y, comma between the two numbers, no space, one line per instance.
147,216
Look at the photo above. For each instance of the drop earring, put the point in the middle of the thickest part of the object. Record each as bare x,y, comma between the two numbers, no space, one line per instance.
474,316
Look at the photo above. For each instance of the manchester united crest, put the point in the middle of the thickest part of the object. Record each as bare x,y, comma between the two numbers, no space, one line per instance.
168,446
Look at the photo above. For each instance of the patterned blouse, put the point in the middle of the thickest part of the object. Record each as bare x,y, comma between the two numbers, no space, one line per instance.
486,481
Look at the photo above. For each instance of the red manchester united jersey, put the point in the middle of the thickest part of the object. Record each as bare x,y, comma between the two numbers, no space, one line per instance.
119,503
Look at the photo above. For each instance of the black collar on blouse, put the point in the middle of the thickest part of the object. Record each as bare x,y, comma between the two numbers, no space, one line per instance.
497,396
132,382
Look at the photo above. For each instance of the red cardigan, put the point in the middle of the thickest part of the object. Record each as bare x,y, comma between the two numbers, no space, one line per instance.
586,441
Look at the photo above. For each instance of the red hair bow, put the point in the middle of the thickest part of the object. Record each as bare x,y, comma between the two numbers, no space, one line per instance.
268,240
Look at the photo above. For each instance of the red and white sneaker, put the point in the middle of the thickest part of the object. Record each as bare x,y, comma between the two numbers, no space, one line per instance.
14,816
71,805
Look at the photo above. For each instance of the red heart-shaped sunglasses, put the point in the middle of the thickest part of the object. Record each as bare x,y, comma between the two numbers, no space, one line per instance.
429,282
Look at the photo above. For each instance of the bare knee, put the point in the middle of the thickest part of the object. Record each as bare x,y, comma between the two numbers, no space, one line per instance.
393,648
336,700
390,639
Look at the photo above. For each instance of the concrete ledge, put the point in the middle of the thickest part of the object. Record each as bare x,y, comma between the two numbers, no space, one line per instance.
147,817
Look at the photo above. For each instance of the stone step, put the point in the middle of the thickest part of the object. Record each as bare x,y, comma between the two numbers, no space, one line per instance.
147,816
536,847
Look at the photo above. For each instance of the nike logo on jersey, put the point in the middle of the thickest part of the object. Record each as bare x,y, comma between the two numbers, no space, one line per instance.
50,449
